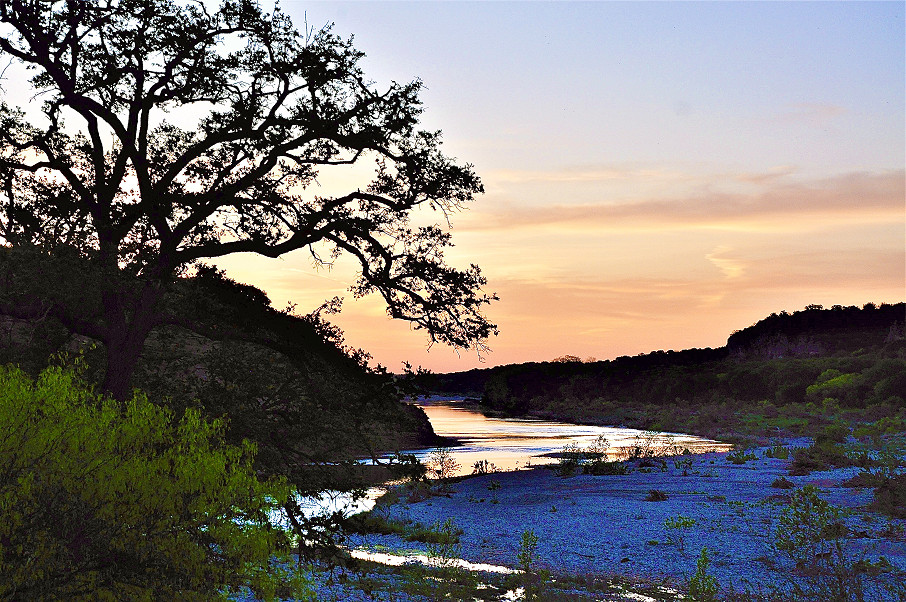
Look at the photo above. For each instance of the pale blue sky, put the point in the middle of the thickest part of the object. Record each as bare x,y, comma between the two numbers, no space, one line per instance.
566,83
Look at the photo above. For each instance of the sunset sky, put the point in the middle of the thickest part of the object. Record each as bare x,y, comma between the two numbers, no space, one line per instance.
657,174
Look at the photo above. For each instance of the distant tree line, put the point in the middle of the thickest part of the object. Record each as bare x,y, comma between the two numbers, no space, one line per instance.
777,358
825,330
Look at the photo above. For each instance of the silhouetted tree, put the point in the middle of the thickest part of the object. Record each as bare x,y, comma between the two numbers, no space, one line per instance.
106,173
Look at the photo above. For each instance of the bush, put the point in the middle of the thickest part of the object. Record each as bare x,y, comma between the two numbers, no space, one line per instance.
782,483
822,455
442,539
740,457
676,526
702,586
812,533
532,578
833,383
656,495
102,500
863,479
606,468
833,433
483,467
595,458
808,526
570,460
444,551
890,496
441,464
778,451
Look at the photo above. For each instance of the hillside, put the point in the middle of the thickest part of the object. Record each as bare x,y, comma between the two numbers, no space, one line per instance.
853,357
286,382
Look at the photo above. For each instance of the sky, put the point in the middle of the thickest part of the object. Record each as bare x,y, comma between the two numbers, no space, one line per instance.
657,175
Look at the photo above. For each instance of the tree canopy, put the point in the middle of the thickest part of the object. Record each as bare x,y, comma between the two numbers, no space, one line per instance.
171,132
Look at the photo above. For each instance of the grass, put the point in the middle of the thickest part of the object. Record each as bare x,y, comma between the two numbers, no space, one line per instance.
373,523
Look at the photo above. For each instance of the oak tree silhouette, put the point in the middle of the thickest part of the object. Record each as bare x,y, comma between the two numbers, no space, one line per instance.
173,132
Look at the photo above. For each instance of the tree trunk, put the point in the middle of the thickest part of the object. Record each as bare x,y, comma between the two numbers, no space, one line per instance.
130,319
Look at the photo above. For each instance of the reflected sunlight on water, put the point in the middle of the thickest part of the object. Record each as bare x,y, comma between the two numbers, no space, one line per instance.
509,444
513,443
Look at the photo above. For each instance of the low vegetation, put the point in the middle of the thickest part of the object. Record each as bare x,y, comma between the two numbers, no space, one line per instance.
109,500
531,579
848,403
702,586
813,535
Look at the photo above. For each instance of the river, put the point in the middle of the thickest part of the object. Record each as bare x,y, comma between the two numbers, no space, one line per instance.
514,443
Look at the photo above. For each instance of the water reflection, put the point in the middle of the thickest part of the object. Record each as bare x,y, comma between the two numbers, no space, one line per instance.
512,443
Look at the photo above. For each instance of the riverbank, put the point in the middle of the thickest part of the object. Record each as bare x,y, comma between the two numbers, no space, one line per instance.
606,526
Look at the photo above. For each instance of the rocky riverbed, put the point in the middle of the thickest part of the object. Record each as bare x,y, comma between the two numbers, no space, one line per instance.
606,525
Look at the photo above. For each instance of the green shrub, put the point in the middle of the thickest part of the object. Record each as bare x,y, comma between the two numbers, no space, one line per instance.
676,527
834,384
448,579
606,468
835,432
595,461
863,479
740,457
778,451
702,586
890,496
684,463
812,533
107,500
821,455
442,541
532,579
808,526
570,460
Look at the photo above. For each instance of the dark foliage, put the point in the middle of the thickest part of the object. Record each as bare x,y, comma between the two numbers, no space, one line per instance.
816,331
890,496
285,382
138,196
700,389
656,495
782,483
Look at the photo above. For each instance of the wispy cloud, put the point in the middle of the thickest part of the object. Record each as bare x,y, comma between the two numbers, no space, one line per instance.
811,113
778,173
589,173
858,195
731,268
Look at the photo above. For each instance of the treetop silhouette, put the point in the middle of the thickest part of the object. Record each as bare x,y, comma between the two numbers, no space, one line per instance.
113,171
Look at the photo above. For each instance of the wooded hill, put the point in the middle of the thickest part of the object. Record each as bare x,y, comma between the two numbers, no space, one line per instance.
286,382
853,356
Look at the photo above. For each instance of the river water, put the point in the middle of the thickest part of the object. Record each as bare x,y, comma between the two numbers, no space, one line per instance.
513,443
